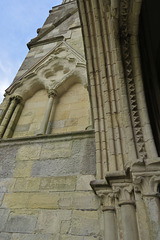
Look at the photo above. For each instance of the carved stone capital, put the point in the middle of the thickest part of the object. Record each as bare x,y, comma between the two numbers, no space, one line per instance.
147,183
52,93
108,199
105,193
124,193
17,98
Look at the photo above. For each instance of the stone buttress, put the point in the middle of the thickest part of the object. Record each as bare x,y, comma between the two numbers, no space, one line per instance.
47,146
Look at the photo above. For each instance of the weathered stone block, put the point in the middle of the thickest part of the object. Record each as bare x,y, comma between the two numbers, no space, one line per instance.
7,161
4,213
85,223
56,150
5,236
49,221
78,200
6,184
43,200
15,200
63,167
29,152
83,182
58,183
23,169
21,224
27,184
82,161
65,227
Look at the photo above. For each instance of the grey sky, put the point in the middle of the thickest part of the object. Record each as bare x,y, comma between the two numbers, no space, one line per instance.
19,22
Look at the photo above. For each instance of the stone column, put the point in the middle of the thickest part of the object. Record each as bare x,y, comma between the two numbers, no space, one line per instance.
147,183
110,228
128,212
14,119
7,116
6,103
108,208
152,205
51,94
142,218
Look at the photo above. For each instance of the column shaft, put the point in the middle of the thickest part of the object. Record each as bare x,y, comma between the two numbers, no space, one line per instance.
46,116
152,205
14,119
4,110
110,228
7,117
129,222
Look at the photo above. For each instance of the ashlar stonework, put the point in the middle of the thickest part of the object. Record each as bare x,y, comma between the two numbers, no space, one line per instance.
78,159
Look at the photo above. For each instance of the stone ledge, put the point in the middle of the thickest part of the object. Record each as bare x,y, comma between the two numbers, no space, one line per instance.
49,137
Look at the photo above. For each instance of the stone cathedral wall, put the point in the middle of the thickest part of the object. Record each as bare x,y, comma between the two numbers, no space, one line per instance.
45,177
68,122
44,188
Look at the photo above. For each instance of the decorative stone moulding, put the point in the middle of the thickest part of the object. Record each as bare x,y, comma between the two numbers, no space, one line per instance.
58,70
55,73
130,83
120,130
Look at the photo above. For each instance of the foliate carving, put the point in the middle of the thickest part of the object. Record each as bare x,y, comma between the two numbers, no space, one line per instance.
147,185
108,199
124,194
130,84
